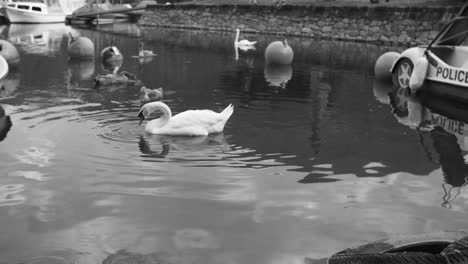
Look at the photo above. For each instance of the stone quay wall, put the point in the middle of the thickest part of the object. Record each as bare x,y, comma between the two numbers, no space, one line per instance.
373,24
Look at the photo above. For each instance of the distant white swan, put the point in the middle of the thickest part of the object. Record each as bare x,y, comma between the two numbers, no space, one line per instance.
244,42
188,123
144,53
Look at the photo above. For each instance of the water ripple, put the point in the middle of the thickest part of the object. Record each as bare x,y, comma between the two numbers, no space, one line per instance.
123,131
9,194
118,124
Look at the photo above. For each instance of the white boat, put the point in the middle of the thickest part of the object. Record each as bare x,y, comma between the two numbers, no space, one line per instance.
40,11
102,12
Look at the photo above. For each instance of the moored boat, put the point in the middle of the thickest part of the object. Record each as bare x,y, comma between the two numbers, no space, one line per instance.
440,67
99,12
39,11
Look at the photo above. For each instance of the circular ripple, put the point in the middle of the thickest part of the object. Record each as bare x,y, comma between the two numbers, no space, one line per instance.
118,124
48,260
123,131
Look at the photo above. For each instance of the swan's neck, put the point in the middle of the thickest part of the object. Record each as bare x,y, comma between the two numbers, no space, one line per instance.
237,36
166,114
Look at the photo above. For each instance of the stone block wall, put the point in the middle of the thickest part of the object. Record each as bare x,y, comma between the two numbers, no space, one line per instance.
373,24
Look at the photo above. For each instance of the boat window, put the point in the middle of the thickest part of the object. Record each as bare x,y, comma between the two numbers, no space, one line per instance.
11,5
32,1
456,34
23,7
35,8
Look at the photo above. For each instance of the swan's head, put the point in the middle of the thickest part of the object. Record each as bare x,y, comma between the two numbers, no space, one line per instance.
144,113
237,30
143,90
285,42
147,109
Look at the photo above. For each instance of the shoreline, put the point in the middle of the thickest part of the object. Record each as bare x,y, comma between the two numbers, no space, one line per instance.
335,3
381,25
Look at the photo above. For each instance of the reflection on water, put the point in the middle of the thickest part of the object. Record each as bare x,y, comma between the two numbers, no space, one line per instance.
41,39
243,50
10,195
443,139
278,75
198,148
9,84
124,29
321,160
81,70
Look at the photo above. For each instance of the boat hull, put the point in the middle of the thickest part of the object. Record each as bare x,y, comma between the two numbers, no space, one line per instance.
447,90
24,17
106,21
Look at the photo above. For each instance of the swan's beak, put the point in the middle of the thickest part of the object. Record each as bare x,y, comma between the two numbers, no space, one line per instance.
142,117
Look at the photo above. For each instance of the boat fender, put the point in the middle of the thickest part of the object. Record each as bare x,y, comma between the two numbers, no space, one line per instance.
419,74
279,52
383,65
9,53
81,48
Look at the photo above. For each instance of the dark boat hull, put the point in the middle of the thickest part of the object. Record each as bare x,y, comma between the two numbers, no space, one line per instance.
446,90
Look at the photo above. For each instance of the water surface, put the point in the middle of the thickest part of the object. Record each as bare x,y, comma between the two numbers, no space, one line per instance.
317,156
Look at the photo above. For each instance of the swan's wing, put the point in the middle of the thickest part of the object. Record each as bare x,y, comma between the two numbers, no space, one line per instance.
197,117
204,119
246,42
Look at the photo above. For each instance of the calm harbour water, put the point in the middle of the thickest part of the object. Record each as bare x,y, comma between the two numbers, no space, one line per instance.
314,159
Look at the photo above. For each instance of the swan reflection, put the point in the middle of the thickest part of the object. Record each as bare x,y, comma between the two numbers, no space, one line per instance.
144,60
278,75
242,48
159,146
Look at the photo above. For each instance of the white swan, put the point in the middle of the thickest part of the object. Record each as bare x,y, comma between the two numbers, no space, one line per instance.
188,123
244,42
144,53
